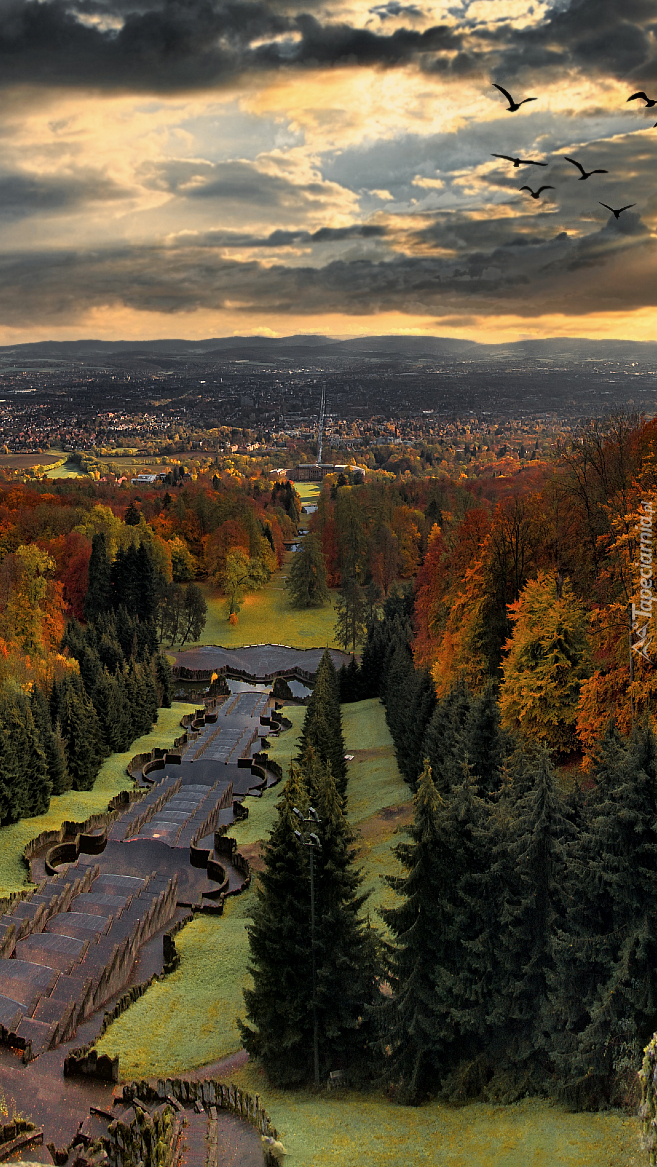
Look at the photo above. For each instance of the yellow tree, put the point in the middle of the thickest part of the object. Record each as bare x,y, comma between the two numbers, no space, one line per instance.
26,608
619,687
547,660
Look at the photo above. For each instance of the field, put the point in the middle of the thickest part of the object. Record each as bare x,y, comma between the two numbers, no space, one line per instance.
26,461
78,805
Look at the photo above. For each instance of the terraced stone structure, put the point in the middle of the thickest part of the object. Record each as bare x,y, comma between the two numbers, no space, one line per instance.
70,946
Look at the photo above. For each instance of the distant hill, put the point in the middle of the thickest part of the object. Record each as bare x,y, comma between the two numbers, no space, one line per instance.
311,347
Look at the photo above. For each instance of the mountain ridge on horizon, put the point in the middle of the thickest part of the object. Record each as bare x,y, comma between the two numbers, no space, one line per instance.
391,345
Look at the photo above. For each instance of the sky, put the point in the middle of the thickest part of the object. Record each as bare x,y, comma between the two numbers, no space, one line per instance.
197,168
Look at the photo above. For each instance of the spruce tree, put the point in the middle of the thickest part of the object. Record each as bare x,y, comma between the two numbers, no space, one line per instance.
24,781
412,1020
52,742
346,949
529,866
443,738
484,743
349,682
606,953
322,726
279,1006
164,680
81,732
306,582
350,608
97,598
132,515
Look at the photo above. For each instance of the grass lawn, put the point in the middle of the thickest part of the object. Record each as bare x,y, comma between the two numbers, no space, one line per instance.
356,1130
266,616
78,805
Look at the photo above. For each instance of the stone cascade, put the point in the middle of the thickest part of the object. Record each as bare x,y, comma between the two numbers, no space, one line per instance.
68,952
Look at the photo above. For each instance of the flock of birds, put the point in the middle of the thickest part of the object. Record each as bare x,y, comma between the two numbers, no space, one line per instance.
514,106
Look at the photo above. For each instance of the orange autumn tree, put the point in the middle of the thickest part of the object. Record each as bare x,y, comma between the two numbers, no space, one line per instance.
548,659
614,690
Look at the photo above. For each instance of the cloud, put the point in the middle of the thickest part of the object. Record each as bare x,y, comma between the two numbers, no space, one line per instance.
169,45
23,195
609,270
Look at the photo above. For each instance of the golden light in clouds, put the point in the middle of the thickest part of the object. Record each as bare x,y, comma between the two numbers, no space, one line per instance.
366,181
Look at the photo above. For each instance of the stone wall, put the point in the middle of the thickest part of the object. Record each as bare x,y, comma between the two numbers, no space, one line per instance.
115,808
208,1092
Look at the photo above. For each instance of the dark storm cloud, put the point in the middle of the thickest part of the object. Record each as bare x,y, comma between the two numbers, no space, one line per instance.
184,44
603,36
613,269
172,45
22,196
224,239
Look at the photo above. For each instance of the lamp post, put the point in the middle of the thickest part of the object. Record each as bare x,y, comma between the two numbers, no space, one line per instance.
310,840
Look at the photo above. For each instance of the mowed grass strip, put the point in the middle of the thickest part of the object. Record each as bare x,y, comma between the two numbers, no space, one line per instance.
348,1129
77,806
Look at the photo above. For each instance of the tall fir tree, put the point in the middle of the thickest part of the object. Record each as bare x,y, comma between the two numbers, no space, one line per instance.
81,732
98,595
52,742
529,865
306,582
322,726
605,984
443,737
281,1007
24,781
484,743
412,1019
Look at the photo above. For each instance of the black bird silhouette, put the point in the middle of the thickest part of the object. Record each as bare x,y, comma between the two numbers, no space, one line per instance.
513,105
648,100
519,161
620,210
536,193
584,173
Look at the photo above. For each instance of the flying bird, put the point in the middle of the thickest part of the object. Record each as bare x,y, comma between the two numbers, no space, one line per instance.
513,105
535,193
648,100
584,173
620,210
519,161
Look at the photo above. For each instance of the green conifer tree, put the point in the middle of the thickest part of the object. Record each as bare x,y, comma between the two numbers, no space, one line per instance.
97,598
306,581
24,781
81,732
529,866
279,1006
164,680
412,1018
484,743
443,738
606,953
350,626
51,740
